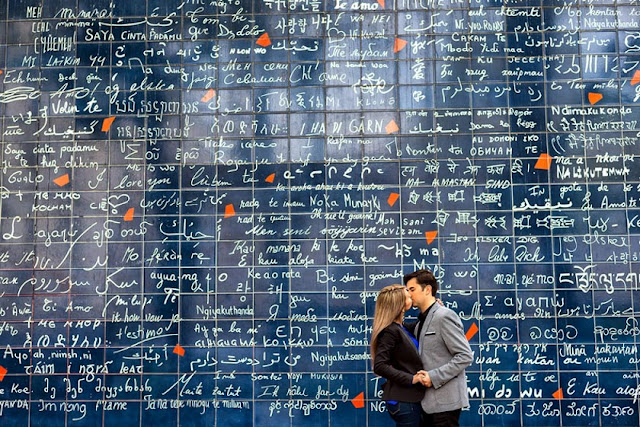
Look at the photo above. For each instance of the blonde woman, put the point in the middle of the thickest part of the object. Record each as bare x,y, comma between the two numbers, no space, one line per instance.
394,351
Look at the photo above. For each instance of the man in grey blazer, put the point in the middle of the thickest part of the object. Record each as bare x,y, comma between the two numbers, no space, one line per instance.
444,350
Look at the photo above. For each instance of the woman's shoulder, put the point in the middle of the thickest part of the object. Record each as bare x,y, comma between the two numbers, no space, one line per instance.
391,330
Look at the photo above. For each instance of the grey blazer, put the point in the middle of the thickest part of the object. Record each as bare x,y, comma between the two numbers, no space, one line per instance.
445,354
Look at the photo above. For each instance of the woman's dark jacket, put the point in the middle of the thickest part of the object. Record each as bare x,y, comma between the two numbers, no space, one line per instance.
397,359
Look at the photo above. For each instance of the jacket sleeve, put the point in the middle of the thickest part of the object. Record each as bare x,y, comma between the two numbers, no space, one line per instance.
457,344
411,326
383,363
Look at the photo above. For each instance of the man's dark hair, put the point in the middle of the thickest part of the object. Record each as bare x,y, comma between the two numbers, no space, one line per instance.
424,278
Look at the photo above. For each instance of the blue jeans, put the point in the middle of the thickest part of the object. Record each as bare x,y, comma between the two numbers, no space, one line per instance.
405,414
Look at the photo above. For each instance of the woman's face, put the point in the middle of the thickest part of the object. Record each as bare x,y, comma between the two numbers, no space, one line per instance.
407,302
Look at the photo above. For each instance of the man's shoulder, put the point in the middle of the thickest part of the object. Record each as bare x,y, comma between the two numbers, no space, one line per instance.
446,313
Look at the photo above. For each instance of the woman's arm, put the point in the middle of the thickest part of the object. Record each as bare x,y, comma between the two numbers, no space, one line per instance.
387,342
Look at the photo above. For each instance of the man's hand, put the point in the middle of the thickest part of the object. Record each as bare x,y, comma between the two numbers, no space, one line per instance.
425,380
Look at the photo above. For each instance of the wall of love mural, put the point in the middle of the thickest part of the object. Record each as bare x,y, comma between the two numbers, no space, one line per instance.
200,199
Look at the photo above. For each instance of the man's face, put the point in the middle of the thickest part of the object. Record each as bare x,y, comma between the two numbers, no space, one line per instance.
417,294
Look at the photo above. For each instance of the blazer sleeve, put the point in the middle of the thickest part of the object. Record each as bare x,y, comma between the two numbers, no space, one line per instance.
457,344
383,363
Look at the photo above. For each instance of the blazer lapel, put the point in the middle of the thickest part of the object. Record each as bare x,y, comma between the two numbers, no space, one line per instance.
407,339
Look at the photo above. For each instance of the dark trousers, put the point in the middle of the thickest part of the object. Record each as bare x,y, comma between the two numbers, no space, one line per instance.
441,419
405,414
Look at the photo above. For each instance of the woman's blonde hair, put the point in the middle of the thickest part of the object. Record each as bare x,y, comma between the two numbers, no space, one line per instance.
390,305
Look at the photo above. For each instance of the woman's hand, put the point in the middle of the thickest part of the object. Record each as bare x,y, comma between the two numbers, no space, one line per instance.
425,380
422,377
417,378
